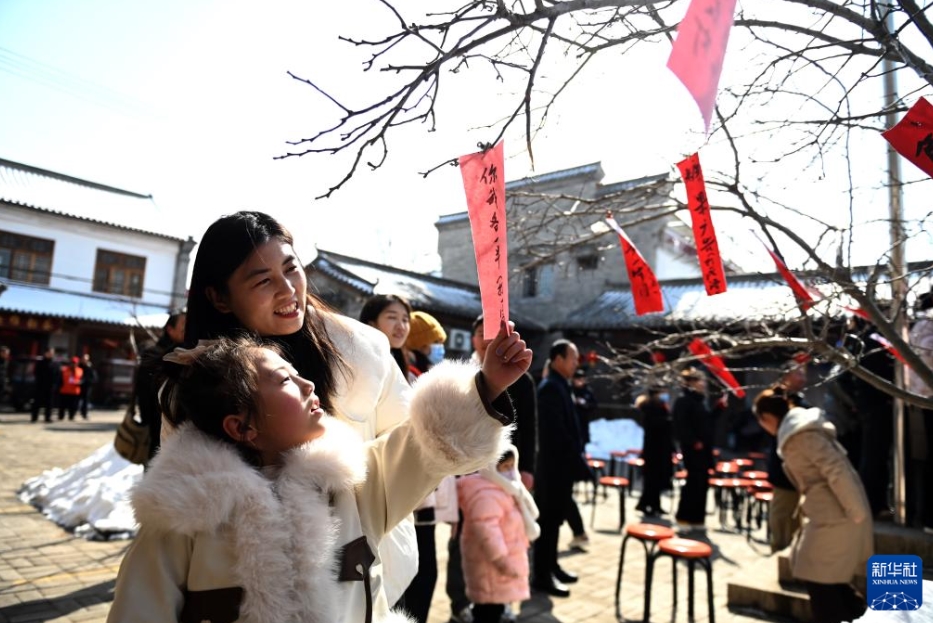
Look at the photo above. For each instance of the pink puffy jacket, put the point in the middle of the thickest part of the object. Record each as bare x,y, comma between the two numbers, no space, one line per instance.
493,544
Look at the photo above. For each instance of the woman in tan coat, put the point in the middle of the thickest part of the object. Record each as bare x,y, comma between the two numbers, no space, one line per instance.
837,539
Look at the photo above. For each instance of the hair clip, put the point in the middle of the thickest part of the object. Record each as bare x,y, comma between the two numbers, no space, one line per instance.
187,356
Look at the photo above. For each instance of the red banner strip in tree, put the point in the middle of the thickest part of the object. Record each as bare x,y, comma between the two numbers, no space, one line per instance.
646,291
912,137
888,346
484,183
804,298
716,365
704,234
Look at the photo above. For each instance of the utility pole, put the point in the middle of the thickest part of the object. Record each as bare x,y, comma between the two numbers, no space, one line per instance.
898,275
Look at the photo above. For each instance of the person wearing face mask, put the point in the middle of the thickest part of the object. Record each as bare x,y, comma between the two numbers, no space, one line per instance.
657,449
425,343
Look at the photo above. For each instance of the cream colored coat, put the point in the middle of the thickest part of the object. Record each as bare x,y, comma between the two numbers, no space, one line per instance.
221,541
372,399
837,537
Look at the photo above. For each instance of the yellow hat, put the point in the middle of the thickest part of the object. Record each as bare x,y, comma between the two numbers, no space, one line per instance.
425,329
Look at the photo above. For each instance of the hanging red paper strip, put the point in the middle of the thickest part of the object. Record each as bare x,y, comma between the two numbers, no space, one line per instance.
646,291
912,137
804,298
700,47
888,346
484,183
714,278
716,365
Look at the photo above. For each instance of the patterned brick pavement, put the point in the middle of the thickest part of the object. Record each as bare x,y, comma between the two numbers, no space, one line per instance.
47,574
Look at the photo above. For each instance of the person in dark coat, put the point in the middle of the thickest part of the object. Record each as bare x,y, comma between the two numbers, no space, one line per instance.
564,462
88,381
693,427
47,375
147,380
657,449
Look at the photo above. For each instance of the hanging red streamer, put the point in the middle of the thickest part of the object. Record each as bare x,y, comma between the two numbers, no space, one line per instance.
888,346
646,291
912,137
716,365
804,298
704,234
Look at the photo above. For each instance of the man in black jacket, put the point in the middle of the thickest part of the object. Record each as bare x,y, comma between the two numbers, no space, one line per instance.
46,378
147,381
561,445
693,428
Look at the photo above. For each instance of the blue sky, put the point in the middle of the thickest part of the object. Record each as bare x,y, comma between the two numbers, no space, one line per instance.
189,100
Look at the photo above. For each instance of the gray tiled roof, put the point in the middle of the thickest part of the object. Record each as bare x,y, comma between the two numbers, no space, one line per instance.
751,297
422,291
54,193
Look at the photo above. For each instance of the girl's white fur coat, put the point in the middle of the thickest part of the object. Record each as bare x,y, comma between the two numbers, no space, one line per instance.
210,521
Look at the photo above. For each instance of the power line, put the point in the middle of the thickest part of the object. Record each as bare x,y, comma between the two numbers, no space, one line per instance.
57,79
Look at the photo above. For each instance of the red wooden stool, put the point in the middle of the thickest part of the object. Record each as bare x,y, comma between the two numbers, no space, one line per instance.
761,502
644,533
755,475
694,552
620,484
744,462
598,466
730,494
616,459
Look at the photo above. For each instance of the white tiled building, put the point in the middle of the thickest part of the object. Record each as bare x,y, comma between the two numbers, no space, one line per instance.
75,282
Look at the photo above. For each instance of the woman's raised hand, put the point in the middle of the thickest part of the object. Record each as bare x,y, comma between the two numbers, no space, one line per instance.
507,358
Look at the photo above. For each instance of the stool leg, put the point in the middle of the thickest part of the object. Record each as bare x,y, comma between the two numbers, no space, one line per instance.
619,577
708,564
649,573
690,570
621,508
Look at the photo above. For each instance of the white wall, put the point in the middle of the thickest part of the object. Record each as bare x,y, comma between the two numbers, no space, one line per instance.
76,245
679,266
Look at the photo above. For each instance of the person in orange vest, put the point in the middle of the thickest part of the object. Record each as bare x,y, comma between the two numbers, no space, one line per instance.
70,390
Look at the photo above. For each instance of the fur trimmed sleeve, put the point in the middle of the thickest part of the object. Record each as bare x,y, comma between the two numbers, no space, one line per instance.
450,432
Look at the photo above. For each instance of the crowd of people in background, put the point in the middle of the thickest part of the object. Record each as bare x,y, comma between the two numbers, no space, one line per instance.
48,383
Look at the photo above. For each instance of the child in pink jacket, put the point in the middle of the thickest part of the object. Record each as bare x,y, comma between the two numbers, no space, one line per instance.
499,522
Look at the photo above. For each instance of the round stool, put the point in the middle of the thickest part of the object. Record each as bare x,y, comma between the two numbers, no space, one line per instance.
744,462
755,475
597,465
694,552
635,464
644,533
612,482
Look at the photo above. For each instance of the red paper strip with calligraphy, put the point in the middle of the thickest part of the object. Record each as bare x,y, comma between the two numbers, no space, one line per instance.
912,137
484,184
699,50
714,278
716,365
646,291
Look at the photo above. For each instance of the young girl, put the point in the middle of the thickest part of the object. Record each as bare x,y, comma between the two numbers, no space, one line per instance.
263,508
837,538
499,523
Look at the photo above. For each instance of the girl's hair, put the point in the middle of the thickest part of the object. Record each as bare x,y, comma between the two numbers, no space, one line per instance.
374,306
505,457
773,400
221,380
377,303
226,244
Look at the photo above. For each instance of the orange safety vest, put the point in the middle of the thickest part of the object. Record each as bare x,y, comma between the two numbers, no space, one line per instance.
71,381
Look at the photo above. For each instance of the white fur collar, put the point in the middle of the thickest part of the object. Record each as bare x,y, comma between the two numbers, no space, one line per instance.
282,531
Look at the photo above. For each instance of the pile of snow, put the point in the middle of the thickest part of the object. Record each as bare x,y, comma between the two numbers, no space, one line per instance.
607,436
91,497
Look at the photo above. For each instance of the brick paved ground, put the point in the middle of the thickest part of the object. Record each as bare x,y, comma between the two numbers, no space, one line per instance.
47,574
